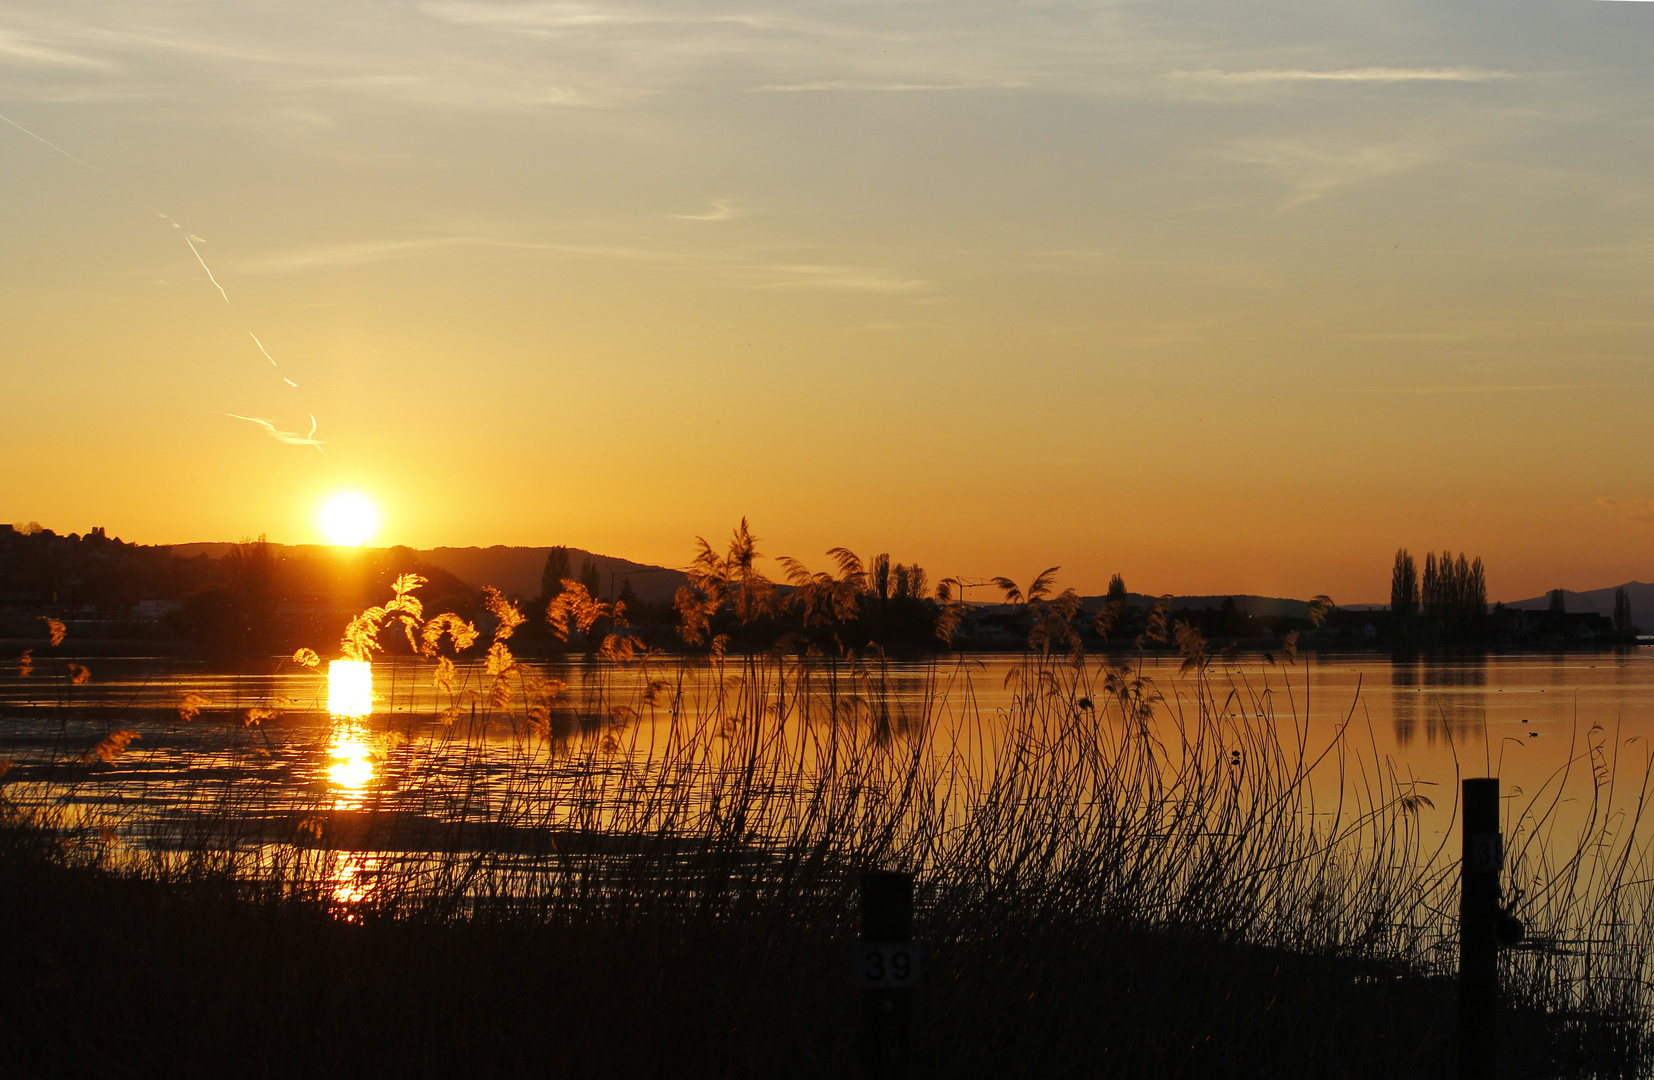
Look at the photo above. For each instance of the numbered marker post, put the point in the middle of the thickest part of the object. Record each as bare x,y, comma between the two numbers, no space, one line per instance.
886,968
1484,858
881,966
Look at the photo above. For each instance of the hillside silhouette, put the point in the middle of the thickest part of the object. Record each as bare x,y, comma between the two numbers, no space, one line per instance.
1601,602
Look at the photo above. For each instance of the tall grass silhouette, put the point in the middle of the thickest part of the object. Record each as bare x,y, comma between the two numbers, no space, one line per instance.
656,863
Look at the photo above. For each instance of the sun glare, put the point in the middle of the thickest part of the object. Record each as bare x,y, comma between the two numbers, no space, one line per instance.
349,688
348,519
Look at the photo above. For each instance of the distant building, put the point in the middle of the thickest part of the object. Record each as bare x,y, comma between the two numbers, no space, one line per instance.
156,610
1521,626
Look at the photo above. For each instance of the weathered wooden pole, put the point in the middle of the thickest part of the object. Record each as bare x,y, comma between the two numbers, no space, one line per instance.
887,969
1479,915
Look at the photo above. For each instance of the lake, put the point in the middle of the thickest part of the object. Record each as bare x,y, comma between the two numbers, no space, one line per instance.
1567,734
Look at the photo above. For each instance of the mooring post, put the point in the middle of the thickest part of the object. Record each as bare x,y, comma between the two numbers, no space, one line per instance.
1479,914
886,968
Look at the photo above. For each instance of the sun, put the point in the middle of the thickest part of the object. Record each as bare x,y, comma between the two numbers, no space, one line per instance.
348,519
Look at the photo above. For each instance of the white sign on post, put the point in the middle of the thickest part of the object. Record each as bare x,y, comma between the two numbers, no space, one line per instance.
885,965
1487,852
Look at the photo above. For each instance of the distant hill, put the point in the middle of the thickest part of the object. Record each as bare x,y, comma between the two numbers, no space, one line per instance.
1247,604
514,571
1250,605
1602,602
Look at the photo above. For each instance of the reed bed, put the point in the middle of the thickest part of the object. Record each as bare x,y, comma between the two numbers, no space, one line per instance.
655,870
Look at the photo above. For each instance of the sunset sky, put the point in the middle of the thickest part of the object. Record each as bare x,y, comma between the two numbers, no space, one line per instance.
1226,297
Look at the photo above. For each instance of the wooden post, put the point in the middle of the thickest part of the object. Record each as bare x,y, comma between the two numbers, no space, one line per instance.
1478,917
887,1011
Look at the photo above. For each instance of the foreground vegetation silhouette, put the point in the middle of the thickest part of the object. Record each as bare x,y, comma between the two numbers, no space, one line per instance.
656,872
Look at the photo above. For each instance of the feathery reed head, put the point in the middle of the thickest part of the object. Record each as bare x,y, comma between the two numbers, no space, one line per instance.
504,612
110,747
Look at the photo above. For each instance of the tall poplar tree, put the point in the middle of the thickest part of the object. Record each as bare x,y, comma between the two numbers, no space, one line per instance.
1622,613
551,578
1454,595
1404,588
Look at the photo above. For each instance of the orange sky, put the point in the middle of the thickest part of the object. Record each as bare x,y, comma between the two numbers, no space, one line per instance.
1226,300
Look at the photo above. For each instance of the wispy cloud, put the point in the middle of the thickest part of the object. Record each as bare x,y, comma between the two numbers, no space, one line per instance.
722,210
537,15
17,48
748,269
1512,388
291,438
1640,510
812,87
850,278
361,253
1316,170
1360,75
351,253
516,56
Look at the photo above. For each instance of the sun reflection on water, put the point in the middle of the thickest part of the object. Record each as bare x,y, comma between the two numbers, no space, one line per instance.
350,701
353,882
351,766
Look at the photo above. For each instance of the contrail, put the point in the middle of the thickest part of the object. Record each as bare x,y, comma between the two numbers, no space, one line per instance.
261,348
54,146
291,438
87,164
190,240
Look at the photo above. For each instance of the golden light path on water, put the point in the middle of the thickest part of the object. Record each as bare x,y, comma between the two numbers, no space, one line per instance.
1569,735
350,703
350,768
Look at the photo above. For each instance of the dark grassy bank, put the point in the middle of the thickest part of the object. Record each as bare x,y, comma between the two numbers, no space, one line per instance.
1115,879
111,976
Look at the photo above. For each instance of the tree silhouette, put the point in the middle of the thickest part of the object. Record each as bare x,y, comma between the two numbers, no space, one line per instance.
1559,601
1113,610
1454,596
551,578
878,577
1404,588
1622,613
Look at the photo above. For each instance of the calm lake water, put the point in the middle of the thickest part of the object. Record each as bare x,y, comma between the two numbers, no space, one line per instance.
1559,730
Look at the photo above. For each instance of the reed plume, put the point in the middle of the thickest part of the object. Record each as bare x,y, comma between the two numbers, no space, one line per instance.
505,613
110,747
574,610
461,634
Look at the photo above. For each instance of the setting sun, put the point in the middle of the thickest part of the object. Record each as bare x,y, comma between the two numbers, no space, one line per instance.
348,519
